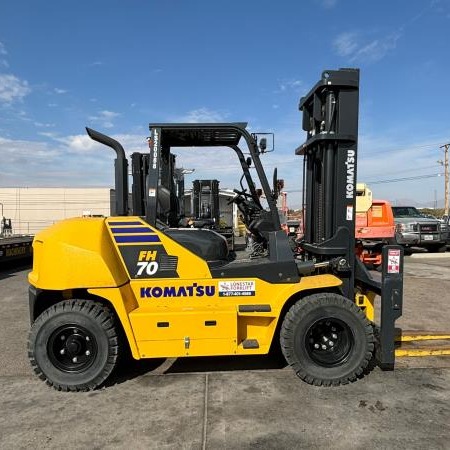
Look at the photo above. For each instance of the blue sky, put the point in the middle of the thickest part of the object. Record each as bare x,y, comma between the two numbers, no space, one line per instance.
117,65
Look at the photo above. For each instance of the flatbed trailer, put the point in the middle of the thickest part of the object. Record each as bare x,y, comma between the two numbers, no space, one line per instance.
15,247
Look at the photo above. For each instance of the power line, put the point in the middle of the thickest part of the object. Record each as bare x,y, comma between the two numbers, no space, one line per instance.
416,169
395,180
395,150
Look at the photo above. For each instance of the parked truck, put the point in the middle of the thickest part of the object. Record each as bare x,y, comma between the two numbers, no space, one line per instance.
413,229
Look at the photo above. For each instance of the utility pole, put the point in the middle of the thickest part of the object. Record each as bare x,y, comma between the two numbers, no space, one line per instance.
445,164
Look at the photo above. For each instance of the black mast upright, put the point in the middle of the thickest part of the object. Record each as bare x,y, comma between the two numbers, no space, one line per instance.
330,118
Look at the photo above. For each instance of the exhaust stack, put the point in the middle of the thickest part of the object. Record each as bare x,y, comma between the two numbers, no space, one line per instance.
120,170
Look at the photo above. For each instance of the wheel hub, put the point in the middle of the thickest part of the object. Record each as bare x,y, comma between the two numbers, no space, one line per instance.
72,348
329,342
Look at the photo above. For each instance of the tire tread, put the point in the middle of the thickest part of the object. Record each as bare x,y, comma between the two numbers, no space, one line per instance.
308,304
95,310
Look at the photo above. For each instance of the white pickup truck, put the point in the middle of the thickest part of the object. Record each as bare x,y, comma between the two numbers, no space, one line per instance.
413,229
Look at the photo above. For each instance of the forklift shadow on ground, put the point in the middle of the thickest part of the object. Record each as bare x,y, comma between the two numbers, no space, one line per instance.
130,369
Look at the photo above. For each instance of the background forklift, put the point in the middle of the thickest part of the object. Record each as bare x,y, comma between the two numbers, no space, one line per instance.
206,210
102,286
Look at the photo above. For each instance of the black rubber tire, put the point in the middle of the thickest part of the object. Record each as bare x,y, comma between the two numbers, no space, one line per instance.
440,248
311,313
97,322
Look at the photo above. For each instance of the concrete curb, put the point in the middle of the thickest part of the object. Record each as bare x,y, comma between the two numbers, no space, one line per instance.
431,255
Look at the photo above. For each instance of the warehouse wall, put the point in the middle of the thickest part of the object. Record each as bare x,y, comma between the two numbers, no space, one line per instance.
32,209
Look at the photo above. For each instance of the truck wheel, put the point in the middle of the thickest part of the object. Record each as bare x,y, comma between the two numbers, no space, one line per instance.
440,248
73,345
327,339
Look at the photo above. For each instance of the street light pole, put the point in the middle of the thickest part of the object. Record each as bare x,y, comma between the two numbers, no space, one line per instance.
445,164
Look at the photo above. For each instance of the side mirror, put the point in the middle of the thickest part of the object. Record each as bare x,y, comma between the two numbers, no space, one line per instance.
263,144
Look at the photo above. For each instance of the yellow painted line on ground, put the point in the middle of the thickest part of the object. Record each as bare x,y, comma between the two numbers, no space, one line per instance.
422,336
430,351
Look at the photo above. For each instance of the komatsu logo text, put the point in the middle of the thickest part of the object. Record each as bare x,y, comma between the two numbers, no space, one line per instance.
350,163
193,290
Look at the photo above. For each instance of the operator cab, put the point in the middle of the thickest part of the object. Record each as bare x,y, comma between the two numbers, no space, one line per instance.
161,208
157,194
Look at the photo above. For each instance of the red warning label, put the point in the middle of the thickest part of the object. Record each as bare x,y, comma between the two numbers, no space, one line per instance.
393,265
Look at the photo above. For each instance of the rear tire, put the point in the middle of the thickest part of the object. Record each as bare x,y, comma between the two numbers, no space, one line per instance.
73,345
327,340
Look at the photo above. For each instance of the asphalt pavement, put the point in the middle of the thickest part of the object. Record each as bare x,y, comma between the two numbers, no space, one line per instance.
232,403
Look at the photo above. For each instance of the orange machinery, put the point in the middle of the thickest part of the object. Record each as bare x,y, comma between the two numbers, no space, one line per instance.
374,225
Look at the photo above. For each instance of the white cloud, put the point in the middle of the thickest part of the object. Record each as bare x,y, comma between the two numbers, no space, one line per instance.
43,125
105,118
60,91
12,88
202,115
3,52
346,44
327,3
290,84
357,48
77,160
82,144
33,163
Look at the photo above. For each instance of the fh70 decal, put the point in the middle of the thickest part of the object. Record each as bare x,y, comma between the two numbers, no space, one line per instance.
146,262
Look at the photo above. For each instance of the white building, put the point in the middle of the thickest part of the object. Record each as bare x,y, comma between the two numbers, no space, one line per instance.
33,209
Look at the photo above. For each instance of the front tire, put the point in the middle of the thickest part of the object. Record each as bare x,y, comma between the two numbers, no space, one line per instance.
327,340
73,345
440,248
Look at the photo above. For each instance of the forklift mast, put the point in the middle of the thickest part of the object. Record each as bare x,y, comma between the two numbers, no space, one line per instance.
330,118
205,197
147,183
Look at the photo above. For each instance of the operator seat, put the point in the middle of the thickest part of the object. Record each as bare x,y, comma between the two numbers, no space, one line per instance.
207,244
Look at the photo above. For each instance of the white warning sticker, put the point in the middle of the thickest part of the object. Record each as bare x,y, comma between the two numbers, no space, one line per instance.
393,265
349,212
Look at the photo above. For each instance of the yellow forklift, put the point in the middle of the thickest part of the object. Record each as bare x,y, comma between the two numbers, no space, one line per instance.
140,283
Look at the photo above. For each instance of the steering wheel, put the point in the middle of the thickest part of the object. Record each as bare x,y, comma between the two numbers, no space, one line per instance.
241,196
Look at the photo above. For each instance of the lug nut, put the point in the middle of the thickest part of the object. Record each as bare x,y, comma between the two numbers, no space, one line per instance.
316,345
74,359
63,338
87,338
87,352
62,351
334,335
331,343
